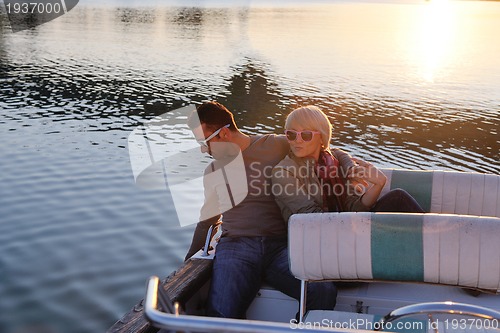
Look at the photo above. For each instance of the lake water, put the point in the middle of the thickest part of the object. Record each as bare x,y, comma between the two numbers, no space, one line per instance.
407,85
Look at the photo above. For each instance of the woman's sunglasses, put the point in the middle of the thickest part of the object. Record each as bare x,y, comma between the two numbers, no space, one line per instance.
306,136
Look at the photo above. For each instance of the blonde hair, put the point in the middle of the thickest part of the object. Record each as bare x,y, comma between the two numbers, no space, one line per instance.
312,118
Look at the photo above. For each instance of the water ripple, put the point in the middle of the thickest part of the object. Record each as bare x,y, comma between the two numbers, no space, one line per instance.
78,238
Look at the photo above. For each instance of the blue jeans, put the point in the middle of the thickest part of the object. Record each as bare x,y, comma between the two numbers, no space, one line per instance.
397,201
241,264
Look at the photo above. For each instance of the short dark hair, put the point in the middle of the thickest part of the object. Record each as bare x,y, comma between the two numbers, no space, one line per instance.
214,115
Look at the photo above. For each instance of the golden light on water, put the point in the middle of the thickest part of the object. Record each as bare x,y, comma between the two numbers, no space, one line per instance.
451,40
425,42
435,37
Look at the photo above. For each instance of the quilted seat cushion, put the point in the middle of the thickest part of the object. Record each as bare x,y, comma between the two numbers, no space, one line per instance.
449,192
449,249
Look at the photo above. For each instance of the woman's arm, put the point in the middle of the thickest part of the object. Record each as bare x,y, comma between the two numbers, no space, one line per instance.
368,172
291,194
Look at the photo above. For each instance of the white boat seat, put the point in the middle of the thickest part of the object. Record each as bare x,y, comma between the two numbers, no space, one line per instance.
448,249
449,192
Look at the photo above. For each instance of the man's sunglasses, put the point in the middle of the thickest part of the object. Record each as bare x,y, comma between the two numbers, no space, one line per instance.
306,136
204,143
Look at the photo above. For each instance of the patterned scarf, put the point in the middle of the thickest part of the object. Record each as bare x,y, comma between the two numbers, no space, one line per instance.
332,182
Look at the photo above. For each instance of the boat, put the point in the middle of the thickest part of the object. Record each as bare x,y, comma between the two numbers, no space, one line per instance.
433,272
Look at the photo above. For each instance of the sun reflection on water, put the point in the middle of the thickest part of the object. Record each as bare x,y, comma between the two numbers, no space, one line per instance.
436,38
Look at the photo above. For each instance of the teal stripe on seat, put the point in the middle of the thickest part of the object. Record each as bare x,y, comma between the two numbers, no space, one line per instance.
417,183
397,247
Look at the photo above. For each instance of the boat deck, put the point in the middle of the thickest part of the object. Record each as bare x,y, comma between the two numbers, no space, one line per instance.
374,298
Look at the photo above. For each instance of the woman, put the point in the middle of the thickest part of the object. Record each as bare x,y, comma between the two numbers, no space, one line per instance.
310,179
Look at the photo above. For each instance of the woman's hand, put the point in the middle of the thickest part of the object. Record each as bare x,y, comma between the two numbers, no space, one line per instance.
365,171
368,173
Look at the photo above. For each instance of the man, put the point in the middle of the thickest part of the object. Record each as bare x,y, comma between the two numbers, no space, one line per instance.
253,246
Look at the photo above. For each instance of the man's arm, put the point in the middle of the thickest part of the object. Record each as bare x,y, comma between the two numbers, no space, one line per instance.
345,160
209,215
